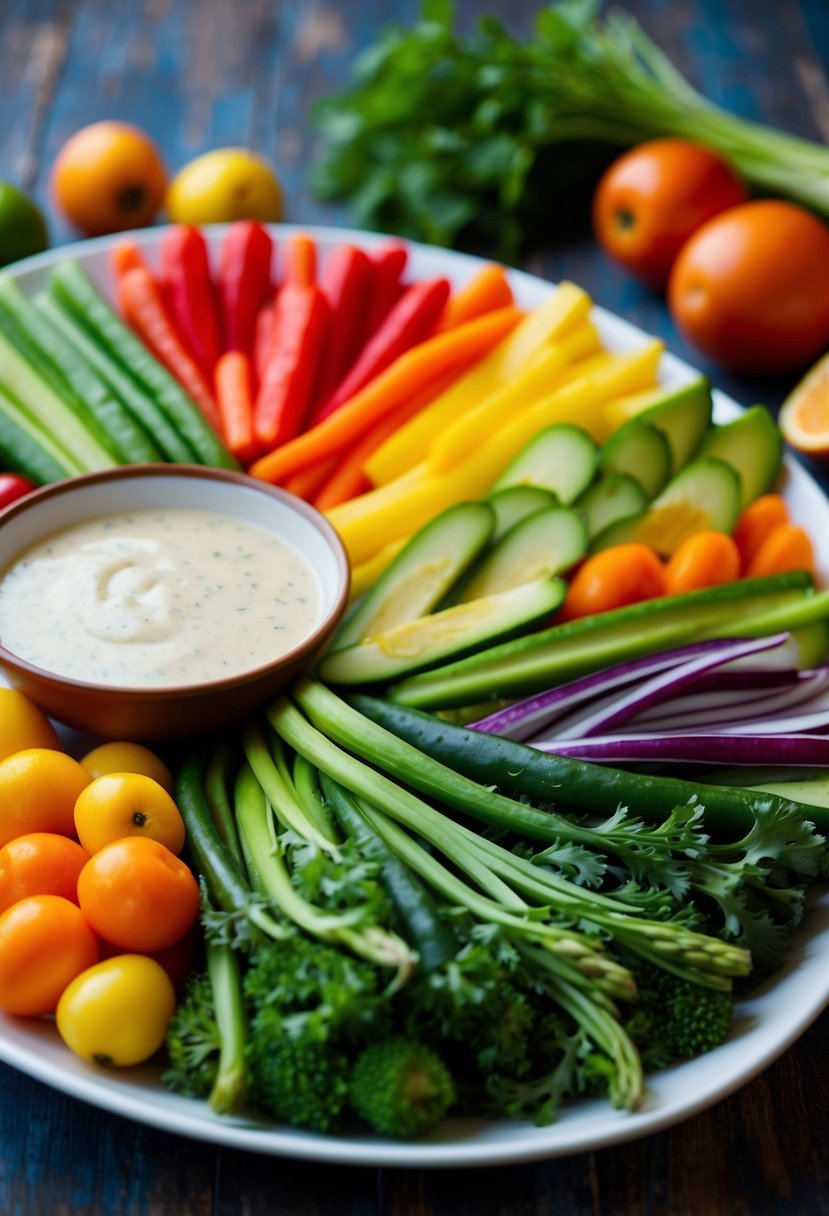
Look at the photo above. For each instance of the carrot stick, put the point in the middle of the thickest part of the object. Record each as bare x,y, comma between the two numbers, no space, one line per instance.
142,304
410,373
308,482
348,478
300,261
126,256
263,337
489,290
234,398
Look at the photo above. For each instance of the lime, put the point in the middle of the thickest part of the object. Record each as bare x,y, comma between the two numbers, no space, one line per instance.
22,227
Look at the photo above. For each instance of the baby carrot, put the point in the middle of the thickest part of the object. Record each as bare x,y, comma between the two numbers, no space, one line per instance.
307,483
410,373
787,547
623,574
300,261
756,522
705,559
233,379
488,290
126,256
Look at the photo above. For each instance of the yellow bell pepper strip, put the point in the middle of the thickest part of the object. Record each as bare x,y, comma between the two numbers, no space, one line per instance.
564,311
409,374
384,515
546,372
367,574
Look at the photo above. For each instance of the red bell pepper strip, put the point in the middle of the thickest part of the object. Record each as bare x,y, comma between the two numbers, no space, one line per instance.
387,266
188,283
300,267
284,396
346,283
234,398
142,303
244,281
412,319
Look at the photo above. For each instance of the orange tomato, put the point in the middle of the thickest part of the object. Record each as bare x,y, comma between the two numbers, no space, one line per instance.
705,559
750,289
40,863
119,757
44,943
653,197
138,895
127,804
108,177
38,791
756,522
22,724
623,574
787,547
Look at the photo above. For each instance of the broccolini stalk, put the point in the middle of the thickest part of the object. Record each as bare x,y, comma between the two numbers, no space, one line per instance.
256,827
272,775
229,1088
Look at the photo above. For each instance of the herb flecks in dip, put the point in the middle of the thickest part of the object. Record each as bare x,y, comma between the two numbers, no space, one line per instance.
155,598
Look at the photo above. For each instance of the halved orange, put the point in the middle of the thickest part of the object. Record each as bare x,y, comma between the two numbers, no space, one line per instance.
804,415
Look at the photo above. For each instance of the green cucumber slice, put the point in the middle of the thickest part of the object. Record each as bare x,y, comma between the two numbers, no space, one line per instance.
532,663
419,644
26,449
562,458
753,446
422,573
514,503
683,415
610,499
545,543
642,452
703,496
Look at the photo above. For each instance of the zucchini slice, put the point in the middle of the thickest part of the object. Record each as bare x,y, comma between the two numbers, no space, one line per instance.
562,458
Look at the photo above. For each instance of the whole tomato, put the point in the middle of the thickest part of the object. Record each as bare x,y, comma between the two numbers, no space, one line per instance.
44,943
750,289
116,805
12,487
653,197
117,1012
107,177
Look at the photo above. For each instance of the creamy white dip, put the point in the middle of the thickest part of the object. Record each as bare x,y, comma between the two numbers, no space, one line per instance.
153,598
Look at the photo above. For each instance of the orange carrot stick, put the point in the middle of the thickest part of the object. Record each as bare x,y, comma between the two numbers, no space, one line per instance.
234,398
308,482
410,373
126,256
300,261
142,304
488,290
347,478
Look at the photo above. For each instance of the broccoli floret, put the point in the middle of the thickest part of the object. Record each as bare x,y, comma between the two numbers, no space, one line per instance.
400,1087
674,1019
193,1042
299,1080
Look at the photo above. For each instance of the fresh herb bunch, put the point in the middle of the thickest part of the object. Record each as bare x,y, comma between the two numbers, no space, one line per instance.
447,138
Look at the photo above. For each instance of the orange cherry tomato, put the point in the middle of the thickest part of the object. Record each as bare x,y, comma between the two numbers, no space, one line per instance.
23,725
44,943
41,863
138,895
107,177
623,574
38,791
127,804
756,522
120,757
705,559
750,289
653,197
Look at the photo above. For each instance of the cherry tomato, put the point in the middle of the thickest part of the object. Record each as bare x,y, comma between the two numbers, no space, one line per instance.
138,895
41,863
117,1012
127,804
38,790
120,757
750,289
23,725
44,943
12,487
653,197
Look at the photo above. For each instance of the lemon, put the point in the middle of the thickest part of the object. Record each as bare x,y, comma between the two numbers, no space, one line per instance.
223,185
22,227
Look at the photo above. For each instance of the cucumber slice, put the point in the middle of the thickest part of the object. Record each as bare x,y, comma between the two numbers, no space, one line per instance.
641,451
610,499
24,449
417,645
529,664
753,446
548,542
422,573
514,503
683,415
703,496
562,458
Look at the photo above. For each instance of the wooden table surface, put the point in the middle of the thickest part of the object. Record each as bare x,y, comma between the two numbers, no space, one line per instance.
206,73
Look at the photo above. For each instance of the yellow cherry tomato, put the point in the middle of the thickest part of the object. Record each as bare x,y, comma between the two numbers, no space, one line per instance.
223,185
127,758
22,724
118,805
117,1012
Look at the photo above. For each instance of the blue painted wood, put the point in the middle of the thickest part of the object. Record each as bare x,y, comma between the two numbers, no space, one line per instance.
198,74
